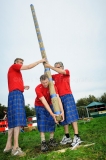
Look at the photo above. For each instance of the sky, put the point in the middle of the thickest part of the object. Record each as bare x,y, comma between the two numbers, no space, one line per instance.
73,31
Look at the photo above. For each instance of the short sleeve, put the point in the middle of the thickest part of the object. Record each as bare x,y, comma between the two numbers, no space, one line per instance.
67,72
38,92
16,66
56,89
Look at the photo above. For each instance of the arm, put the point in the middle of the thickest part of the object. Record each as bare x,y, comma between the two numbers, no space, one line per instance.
26,87
5,117
32,65
43,100
60,103
59,70
61,107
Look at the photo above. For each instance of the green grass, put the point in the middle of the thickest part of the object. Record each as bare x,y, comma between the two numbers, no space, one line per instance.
90,132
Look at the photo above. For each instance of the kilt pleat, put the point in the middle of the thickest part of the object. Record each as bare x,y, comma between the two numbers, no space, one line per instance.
70,109
16,109
45,121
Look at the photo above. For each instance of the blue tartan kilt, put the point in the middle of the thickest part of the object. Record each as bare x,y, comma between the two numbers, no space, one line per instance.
70,110
16,109
45,121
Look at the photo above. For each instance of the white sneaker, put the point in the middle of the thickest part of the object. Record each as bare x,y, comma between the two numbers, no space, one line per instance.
5,150
18,152
76,141
66,140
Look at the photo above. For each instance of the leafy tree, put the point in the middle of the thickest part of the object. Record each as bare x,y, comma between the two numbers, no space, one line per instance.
2,108
91,99
82,102
86,101
29,111
103,98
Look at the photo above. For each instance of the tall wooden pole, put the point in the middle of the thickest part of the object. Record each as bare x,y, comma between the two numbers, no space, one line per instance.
47,70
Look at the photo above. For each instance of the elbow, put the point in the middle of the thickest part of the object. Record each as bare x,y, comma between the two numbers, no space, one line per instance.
63,72
28,67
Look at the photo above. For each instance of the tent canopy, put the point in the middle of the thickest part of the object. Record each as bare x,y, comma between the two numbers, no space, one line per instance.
95,104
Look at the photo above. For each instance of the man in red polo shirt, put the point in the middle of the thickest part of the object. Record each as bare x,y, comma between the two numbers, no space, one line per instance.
46,118
62,82
16,111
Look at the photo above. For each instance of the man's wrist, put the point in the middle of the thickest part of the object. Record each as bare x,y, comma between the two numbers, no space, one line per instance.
51,113
37,63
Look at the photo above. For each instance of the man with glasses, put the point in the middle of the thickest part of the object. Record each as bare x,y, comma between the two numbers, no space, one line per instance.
16,106
62,82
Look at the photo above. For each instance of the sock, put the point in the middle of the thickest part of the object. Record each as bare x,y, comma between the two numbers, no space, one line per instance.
76,135
42,138
67,135
51,136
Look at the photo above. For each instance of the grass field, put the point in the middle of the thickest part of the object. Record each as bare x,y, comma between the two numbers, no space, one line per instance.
90,132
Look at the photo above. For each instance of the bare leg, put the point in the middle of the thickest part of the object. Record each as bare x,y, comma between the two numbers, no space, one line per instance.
51,135
16,135
66,130
44,146
75,127
42,135
9,140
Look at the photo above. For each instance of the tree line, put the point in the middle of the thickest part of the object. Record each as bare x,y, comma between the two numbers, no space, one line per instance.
30,111
90,99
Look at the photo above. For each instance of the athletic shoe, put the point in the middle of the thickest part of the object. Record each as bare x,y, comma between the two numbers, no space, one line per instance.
76,141
44,146
66,140
7,150
52,143
18,152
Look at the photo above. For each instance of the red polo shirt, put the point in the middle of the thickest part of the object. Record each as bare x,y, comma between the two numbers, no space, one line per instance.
41,91
62,82
15,80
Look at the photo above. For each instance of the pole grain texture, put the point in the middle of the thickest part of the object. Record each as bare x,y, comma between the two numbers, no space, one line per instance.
47,70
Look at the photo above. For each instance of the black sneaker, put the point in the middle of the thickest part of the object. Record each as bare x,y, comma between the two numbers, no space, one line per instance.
52,143
44,146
